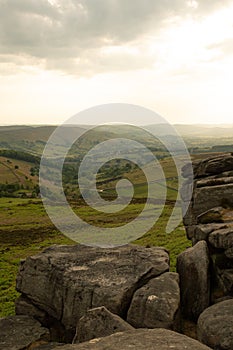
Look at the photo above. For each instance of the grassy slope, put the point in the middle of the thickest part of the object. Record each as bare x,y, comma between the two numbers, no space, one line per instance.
21,174
25,229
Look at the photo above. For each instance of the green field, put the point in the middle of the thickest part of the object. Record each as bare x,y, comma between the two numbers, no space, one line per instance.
25,227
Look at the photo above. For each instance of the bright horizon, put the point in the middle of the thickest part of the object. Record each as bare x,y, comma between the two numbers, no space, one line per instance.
59,57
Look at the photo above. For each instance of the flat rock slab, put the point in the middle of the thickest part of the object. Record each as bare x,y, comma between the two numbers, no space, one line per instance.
213,166
99,322
156,304
215,326
205,198
66,281
148,339
202,232
19,332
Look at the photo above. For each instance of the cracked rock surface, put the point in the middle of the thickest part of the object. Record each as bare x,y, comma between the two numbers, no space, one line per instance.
21,332
99,322
140,339
156,304
66,281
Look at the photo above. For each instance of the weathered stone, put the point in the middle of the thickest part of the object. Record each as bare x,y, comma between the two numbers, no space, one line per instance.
189,218
140,339
99,322
23,306
20,332
190,231
211,182
229,253
222,238
211,216
225,279
215,326
216,196
49,346
213,166
221,262
66,281
193,268
214,180
201,232
156,304
219,300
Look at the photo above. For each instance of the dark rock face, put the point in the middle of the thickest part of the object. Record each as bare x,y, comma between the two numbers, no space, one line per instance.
222,239
214,166
66,281
193,268
215,326
49,346
210,218
213,188
21,332
148,339
156,304
99,322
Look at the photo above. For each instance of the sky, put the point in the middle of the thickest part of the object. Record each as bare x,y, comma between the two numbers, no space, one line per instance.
59,57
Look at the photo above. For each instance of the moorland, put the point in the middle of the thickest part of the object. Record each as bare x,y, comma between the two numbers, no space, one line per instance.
25,227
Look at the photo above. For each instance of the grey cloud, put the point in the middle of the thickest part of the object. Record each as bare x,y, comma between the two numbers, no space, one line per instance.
69,35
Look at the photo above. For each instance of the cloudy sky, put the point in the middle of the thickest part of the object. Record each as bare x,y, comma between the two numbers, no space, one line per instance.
58,57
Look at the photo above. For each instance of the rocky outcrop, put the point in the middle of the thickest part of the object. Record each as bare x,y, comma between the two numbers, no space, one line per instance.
84,294
210,219
193,268
62,283
212,192
21,333
156,305
215,326
149,339
97,323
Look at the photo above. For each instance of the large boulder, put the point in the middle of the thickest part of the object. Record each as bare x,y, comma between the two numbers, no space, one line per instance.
67,281
215,326
99,322
148,339
21,332
156,304
193,267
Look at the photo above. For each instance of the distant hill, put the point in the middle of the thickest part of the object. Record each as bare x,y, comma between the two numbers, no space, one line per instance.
33,139
192,130
205,130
